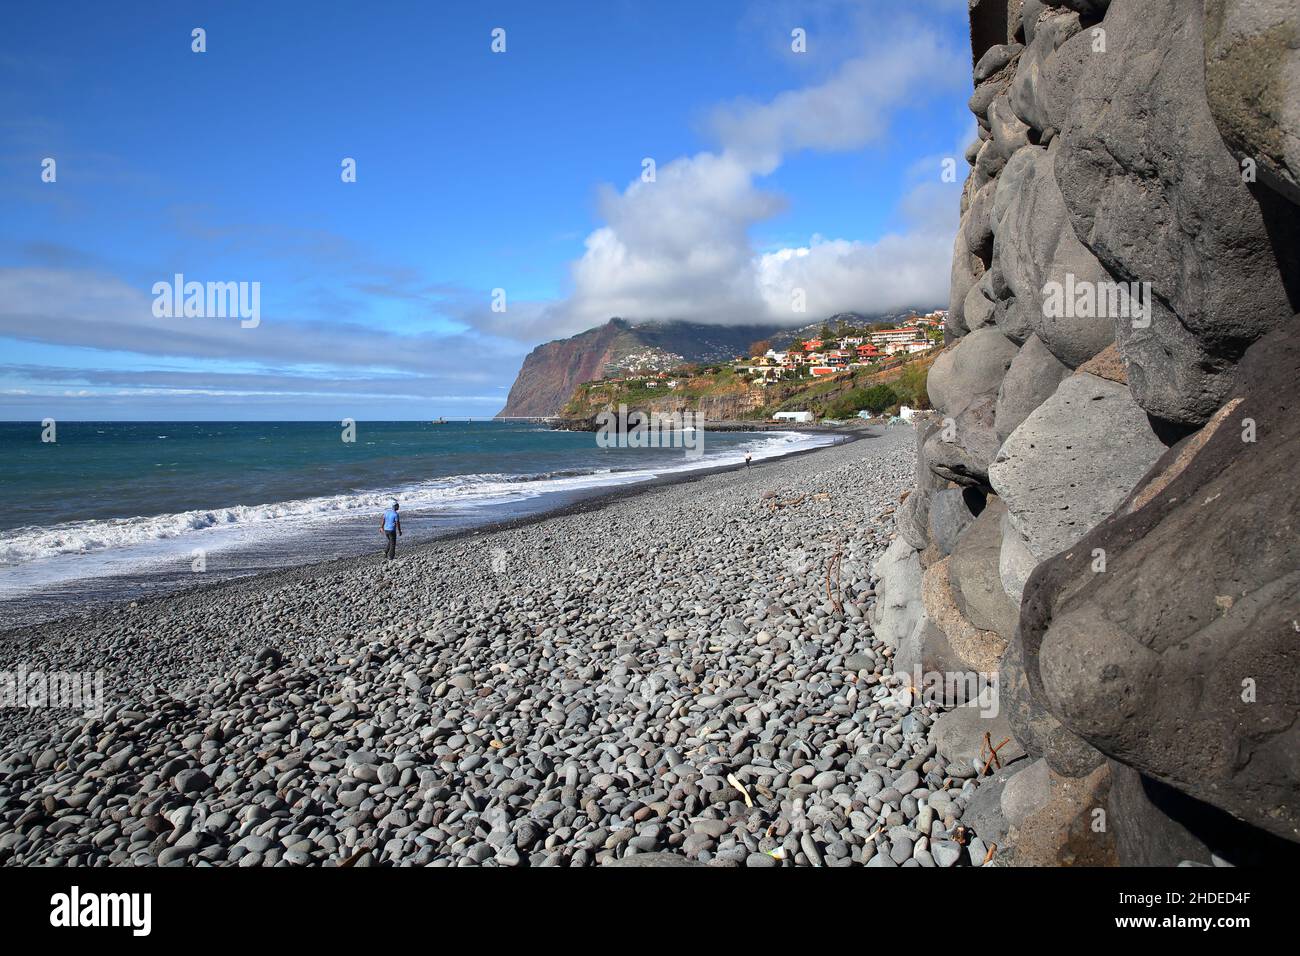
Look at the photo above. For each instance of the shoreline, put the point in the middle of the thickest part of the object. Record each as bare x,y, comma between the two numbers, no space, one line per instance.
661,670
591,500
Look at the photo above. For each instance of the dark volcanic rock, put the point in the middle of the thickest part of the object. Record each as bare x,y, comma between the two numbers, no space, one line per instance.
963,452
973,571
1072,460
1037,729
1041,90
950,512
1157,197
1252,82
972,367
1032,378
1156,825
1180,659
1036,251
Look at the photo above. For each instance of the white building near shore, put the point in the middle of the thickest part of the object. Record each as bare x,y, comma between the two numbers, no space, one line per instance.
804,418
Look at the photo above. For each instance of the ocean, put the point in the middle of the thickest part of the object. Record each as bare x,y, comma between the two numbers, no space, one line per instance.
118,510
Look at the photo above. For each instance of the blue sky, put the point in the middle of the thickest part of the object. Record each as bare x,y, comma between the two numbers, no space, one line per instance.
476,171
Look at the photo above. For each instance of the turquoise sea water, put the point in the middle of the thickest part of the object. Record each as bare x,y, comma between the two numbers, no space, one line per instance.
119,502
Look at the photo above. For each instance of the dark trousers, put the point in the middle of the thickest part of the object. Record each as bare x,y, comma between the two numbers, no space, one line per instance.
391,551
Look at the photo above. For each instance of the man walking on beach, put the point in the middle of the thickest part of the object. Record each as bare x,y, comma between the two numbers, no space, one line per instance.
746,459
392,526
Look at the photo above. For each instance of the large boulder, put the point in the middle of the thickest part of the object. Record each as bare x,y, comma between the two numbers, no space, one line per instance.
1054,820
995,58
1042,262
1041,91
1008,131
951,511
1015,561
983,813
978,649
1075,457
898,592
1027,793
1252,83
973,573
1031,379
965,733
912,518
971,368
1156,196
979,231
966,271
1180,659
926,651
979,306
1020,166
986,92
1030,11
962,452
1036,728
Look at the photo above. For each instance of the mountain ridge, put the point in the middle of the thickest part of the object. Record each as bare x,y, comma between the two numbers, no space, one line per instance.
551,371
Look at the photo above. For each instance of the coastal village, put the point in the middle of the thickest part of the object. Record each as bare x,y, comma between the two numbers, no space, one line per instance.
836,370
834,352
823,354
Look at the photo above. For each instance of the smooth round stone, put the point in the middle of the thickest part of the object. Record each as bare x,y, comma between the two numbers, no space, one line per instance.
654,859
907,781
945,852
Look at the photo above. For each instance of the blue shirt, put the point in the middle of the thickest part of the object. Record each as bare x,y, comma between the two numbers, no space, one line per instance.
390,520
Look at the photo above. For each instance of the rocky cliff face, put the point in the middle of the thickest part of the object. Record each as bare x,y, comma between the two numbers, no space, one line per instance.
552,371
1103,511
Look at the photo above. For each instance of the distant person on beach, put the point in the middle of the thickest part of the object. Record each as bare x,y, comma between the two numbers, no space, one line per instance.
747,456
392,525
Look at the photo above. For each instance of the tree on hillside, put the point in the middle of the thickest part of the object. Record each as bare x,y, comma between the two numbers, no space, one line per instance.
878,397
910,386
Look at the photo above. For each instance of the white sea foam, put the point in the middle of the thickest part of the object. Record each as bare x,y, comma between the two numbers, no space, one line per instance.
35,557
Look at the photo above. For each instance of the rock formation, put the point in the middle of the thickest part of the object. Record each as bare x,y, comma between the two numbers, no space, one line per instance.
553,370
1104,514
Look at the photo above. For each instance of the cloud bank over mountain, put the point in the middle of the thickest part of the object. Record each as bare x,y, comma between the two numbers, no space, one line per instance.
805,198
681,246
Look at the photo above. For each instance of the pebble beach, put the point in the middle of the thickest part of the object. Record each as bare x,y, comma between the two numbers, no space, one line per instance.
689,670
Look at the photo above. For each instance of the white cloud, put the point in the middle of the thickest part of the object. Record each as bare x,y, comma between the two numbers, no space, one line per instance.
898,270
680,247
847,111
